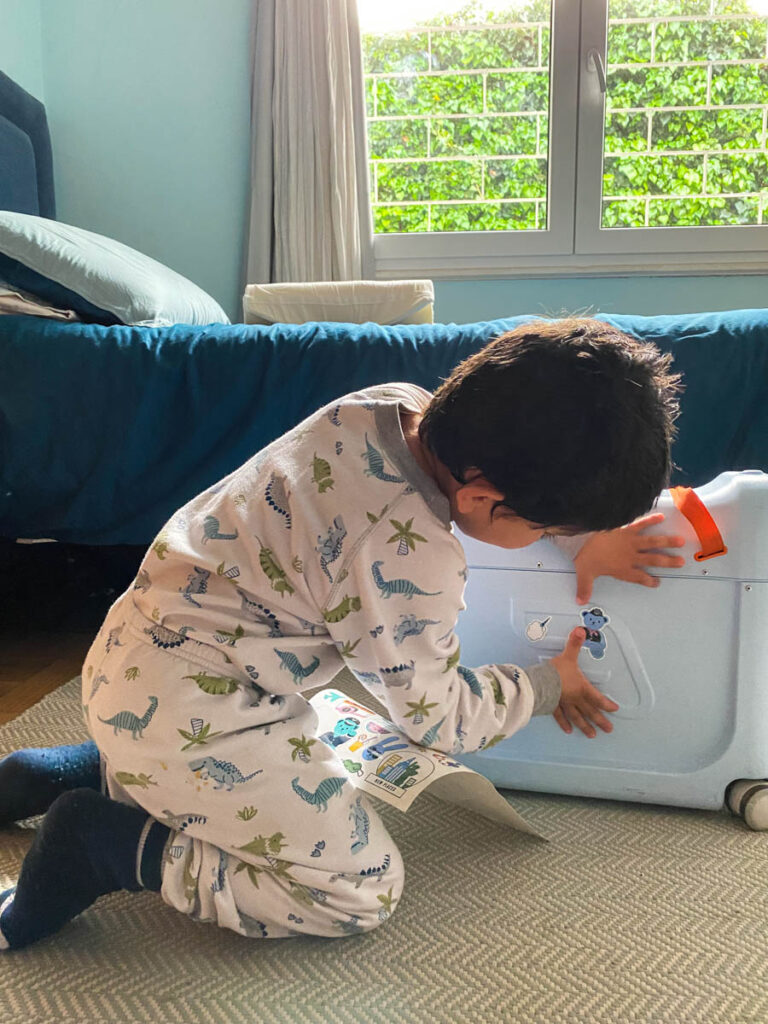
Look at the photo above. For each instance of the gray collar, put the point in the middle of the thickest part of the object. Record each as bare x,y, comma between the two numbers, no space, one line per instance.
393,441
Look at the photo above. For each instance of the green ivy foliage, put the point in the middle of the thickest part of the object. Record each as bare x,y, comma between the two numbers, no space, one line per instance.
458,117
401,52
708,129
649,175
489,48
399,219
626,132
629,44
622,213
401,138
518,91
433,94
484,136
701,212
715,40
676,8
740,83
657,8
742,173
656,87
516,179
444,179
485,217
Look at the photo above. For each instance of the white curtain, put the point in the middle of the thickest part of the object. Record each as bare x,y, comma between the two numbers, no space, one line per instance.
310,204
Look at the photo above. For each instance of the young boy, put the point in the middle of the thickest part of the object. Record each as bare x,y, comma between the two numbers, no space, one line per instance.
334,546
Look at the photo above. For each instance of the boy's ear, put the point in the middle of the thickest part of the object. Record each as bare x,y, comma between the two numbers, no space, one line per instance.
476,494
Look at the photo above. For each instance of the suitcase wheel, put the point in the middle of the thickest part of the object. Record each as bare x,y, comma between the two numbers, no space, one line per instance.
748,798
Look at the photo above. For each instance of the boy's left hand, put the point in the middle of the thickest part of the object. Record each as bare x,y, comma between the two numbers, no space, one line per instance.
622,554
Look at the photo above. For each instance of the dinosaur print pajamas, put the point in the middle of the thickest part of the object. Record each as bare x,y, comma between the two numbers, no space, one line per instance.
329,547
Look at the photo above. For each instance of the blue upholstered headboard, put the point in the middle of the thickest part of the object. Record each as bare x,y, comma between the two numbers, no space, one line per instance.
26,163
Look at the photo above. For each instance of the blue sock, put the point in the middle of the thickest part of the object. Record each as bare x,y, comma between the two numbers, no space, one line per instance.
88,845
30,780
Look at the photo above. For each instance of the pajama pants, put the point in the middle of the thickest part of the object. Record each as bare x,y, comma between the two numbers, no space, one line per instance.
268,837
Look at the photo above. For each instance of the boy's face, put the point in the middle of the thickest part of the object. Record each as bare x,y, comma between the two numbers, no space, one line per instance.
471,509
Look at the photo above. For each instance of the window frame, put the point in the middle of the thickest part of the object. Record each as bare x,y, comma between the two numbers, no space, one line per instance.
591,237
438,247
574,243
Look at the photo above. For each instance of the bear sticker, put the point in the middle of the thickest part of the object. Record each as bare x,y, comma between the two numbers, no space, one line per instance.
594,621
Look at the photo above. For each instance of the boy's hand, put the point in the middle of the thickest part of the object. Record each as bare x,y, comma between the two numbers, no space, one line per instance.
622,554
581,703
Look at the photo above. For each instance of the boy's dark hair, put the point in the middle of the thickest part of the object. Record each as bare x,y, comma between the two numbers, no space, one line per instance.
571,420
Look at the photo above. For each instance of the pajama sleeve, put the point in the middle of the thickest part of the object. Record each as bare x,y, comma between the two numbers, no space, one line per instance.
397,636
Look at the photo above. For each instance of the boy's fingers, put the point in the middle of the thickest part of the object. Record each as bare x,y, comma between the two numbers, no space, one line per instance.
591,714
672,561
649,520
606,703
643,578
599,702
596,699
601,721
584,581
561,720
575,642
656,542
580,722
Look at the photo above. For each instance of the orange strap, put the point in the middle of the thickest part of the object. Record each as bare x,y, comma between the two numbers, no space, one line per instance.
697,514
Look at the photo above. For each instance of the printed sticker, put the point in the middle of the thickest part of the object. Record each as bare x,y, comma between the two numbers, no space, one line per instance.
594,621
536,630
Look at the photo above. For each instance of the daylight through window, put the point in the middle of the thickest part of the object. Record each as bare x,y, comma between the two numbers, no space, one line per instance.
597,126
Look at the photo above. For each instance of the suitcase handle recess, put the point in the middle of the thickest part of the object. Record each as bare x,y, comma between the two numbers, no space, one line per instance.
696,512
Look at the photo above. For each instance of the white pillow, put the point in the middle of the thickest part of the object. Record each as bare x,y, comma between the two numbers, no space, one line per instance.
101,279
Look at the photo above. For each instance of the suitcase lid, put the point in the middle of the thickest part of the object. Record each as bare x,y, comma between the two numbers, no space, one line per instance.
737,503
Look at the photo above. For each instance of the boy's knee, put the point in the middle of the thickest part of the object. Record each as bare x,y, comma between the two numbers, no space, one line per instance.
15,766
360,903
75,803
93,811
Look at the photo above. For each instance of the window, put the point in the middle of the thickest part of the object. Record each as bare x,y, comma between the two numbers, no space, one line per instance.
573,135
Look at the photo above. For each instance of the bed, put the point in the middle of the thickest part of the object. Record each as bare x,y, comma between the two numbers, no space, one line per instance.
106,428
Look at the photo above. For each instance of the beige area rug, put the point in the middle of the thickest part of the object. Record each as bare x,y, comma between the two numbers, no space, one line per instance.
630,913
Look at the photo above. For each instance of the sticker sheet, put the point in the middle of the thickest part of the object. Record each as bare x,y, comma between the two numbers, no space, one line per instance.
384,763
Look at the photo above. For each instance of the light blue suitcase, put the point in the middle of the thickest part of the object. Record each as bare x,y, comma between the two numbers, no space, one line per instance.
687,663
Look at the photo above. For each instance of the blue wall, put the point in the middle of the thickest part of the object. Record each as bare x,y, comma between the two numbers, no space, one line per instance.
148,102
465,301
149,108
20,44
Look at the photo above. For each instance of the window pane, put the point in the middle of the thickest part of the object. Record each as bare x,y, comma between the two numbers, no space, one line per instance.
457,98
685,114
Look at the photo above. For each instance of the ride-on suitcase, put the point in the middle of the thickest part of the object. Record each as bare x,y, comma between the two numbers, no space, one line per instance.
687,663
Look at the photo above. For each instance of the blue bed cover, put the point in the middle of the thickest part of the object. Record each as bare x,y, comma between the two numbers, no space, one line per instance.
105,431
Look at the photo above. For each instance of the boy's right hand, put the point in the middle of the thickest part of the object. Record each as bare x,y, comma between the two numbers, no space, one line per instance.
581,703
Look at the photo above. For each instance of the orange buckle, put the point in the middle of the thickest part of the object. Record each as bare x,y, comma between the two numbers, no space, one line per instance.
698,515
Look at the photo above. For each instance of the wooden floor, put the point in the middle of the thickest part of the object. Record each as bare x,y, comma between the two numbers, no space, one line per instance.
53,599
33,665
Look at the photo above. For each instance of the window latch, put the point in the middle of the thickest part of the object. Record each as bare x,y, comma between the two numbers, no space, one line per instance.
595,63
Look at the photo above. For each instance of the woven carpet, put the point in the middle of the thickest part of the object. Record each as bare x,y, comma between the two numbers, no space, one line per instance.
631,913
